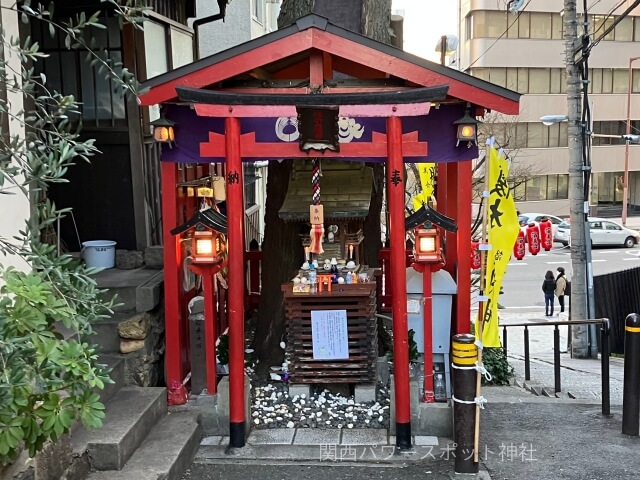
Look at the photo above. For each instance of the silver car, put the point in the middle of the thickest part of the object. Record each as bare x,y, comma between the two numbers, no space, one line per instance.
603,232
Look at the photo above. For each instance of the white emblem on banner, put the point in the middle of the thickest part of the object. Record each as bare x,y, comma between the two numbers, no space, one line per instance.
348,129
287,129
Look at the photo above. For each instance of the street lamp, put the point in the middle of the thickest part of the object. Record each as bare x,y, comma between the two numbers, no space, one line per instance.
625,186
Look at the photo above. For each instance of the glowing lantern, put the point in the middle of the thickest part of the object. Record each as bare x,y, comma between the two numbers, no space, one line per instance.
163,130
205,247
427,246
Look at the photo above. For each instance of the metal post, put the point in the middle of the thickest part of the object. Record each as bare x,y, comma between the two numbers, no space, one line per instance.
395,192
556,358
631,392
504,340
527,363
464,354
625,191
604,342
577,204
235,302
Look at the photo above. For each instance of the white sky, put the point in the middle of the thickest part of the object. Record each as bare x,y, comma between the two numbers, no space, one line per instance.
425,21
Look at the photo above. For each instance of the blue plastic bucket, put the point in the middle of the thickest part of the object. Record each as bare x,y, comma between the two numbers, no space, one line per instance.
99,253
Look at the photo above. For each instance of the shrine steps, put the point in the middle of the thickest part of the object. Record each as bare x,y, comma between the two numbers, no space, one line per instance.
139,439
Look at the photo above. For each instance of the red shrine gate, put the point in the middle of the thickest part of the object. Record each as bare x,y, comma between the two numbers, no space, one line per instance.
218,104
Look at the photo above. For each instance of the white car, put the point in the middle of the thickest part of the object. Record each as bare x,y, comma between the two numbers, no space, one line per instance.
526,218
603,232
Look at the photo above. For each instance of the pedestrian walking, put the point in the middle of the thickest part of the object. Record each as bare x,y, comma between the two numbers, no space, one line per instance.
561,287
549,288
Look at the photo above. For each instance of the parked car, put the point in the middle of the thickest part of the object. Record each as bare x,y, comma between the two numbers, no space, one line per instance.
603,232
527,218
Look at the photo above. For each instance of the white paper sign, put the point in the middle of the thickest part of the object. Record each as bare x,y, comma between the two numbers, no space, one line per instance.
413,306
329,334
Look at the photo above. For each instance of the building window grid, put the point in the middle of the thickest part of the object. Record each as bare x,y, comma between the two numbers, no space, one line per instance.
541,188
543,81
544,26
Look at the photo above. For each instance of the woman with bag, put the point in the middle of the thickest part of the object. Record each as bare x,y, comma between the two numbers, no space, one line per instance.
561,287
548,287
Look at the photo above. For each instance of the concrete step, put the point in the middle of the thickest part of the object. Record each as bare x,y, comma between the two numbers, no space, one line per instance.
116,364
165,454
137,290
106,330
130,415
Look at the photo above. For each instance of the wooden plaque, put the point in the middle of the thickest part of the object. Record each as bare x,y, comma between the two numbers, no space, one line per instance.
316,214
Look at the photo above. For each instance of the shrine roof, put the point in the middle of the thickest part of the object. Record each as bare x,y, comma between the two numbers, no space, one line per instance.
274,59
209,217
345,192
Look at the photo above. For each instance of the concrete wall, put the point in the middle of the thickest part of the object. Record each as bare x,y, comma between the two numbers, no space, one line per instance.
218,36
14,206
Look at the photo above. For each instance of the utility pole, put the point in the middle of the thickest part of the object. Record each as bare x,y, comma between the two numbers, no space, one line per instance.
578,204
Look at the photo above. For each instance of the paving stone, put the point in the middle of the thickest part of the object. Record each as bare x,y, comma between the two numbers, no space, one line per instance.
317,436
364,436
213,440
275,436
425,440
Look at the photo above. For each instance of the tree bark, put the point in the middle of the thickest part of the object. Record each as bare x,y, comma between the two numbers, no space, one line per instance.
282,249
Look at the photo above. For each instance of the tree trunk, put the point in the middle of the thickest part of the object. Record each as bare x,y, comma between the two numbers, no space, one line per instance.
281,252
282,249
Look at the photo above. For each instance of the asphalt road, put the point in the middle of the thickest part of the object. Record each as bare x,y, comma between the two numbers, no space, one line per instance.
522,283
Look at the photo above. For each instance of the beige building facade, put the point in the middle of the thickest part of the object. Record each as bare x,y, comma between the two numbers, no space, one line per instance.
525,53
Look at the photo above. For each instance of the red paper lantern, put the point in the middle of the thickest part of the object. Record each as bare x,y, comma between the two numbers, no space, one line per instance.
475,256
519,249
533,238
546,235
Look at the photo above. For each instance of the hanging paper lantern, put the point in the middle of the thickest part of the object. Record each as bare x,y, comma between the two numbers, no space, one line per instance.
533,238
546,235
475,255
519,249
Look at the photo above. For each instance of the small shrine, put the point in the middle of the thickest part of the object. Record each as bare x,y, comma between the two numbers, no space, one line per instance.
334,102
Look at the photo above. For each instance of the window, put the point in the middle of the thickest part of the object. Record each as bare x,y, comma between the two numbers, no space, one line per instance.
624,30
536,188
612,226
539,80
259,10
488,24
102,102
540,25
557,27
620,80
595,225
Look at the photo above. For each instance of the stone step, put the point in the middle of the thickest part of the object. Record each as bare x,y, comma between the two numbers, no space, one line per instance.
137,290
165,454
130,415
116,364
106,331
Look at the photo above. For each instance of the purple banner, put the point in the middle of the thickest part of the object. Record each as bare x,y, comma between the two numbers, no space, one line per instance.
437,129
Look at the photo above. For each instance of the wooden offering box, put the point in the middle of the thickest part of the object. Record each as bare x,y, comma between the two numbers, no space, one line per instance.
359,301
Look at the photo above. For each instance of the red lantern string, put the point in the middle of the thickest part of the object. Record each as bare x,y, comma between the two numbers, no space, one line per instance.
519,248
533,238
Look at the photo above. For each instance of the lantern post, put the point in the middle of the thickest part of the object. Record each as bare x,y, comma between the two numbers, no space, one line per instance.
427,256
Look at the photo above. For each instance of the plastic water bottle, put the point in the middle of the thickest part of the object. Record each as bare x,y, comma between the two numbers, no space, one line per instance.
440,391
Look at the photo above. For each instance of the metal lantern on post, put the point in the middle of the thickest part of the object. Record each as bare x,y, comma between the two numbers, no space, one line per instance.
467,130
163,130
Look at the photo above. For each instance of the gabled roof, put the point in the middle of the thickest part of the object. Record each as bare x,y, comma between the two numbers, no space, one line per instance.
285,48
209,217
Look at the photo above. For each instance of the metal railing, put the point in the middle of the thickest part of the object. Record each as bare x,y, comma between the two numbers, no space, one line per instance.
605,328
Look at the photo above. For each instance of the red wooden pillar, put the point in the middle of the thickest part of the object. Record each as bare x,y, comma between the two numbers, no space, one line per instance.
427,293
463,298
175,346
396,188
235,301
452,210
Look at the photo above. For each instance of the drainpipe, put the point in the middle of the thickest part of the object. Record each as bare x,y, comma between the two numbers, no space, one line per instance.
222,5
